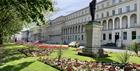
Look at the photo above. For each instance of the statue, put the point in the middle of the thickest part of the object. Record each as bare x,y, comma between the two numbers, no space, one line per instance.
93,35
92,7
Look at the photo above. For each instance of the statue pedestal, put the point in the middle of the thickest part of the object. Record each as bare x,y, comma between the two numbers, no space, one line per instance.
93,39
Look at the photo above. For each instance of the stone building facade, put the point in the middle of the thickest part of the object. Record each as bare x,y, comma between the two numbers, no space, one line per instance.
119,18
54,30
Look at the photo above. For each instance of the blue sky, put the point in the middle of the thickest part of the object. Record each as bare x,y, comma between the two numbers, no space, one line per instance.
65,7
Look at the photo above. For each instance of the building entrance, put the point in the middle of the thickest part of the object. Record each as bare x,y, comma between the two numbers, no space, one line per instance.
116,37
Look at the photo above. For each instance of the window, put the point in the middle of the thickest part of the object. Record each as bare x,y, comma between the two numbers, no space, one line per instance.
110,36
102,15
82,37
107,3
97,16
133,35
75,37
104,36
127,8
135,7
113,12
107,13
120,10
120,0
102,5
97,7
125,35
113,1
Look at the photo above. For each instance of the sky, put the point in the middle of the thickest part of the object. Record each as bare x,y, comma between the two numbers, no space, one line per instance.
65,7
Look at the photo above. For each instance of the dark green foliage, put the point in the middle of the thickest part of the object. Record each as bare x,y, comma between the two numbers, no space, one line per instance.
28,10
16,13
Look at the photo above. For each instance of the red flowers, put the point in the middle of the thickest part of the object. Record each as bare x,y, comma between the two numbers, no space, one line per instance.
51,46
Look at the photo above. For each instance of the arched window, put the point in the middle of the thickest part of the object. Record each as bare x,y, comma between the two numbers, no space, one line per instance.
104,25
133,20
124,22
110,24
117,23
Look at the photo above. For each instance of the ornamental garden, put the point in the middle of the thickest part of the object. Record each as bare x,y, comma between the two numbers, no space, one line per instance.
64,58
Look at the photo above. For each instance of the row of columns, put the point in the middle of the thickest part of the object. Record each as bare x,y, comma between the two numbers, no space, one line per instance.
70,38
123,22
73,29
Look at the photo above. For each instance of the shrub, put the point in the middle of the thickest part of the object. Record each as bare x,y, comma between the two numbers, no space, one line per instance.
134,47
124,57
60,52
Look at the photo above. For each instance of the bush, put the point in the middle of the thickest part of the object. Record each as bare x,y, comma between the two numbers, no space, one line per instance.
60,52
124,57
134,47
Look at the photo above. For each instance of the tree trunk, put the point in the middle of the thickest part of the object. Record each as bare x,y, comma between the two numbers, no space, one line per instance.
1,48
1,39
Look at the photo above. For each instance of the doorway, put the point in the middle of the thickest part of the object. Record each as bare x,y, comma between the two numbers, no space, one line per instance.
116,37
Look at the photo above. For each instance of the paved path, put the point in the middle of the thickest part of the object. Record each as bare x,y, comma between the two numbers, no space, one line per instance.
119,50
114,50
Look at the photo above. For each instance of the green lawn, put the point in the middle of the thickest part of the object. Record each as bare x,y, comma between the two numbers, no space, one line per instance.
71,53
15,61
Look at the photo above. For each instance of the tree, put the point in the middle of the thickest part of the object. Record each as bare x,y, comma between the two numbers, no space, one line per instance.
16,13
9,24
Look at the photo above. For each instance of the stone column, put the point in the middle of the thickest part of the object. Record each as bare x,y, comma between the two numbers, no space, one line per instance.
113,23
120,22
107,25
129,22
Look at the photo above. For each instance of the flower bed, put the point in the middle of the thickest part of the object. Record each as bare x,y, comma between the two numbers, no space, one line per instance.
52,46
37,49
36,52
68,64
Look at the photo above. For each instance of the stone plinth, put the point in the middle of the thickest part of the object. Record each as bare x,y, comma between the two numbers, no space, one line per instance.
93,38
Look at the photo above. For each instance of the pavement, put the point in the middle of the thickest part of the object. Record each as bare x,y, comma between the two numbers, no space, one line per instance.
114,50
120,50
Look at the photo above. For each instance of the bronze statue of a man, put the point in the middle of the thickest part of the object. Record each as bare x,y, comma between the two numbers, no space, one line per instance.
92,7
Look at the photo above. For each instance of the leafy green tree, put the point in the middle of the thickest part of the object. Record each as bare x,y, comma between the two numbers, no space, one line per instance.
16,13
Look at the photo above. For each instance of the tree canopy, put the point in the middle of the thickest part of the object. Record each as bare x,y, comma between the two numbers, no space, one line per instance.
15,13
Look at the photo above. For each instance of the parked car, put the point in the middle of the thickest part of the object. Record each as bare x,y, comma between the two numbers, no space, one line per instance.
74,44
